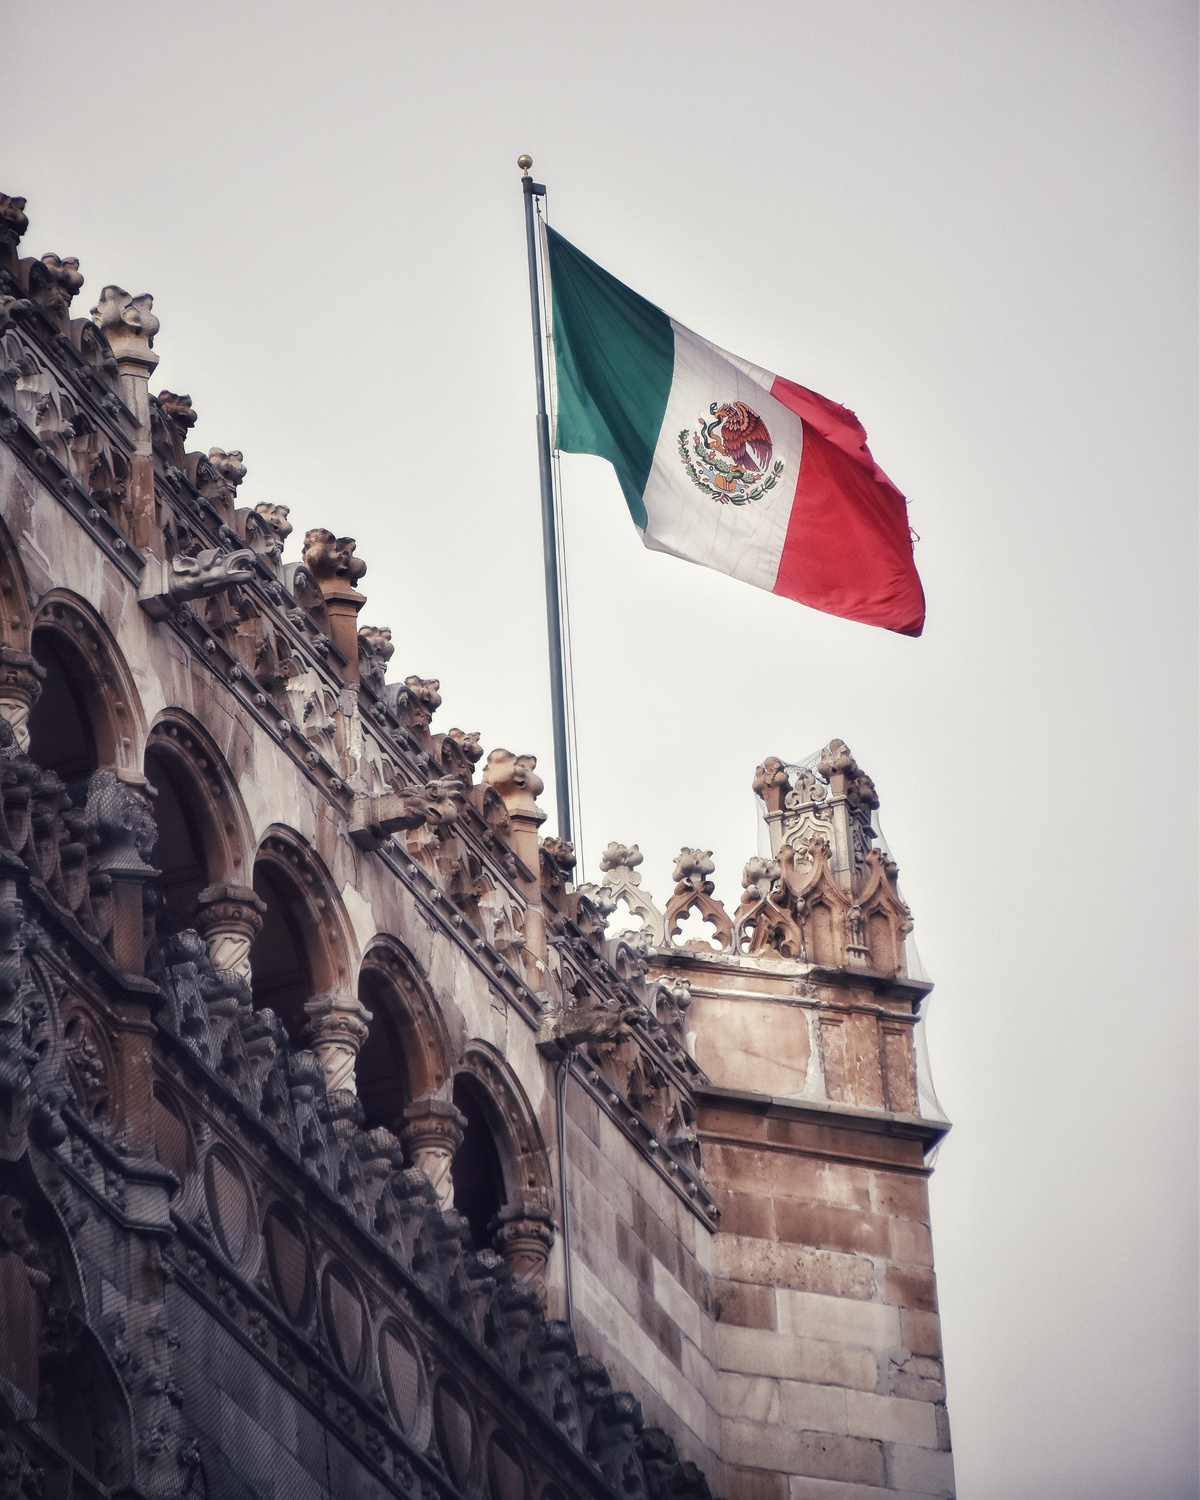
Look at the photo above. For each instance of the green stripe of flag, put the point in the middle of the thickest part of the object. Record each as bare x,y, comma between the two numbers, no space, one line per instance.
614,356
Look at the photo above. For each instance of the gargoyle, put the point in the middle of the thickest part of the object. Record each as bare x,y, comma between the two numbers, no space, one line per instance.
375,819
200,575
592,1023
210,571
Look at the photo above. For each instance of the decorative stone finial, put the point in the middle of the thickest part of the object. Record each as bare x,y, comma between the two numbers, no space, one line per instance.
332,558
129,325
13,225
623,859
375,650
52,285
276,517
771,783
228,465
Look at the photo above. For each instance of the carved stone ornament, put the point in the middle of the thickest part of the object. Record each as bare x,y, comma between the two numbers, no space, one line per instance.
375,819
199,573
771,783
13,224
331,558
694,891
416,702
228,465
21,677
764,922
128,323
53,284
276,517
433,1134
375,650
621,882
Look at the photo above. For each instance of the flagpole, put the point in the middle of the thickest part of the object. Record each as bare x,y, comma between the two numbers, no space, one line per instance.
558,696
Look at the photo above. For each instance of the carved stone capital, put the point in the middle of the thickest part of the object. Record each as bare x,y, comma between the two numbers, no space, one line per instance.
337,1027
229,918
523,1237
431,1136
20,687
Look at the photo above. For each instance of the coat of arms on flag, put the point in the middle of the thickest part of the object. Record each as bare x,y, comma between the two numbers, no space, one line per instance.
729,458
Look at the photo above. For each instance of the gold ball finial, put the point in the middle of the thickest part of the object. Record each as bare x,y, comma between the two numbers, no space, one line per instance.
525,162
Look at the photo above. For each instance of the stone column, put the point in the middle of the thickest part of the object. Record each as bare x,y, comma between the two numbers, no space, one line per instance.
523,1237
129,325
433,1134
337,1028
229,917
20,688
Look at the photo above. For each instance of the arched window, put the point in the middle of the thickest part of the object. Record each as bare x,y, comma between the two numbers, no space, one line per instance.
382,1071
477,1173
180,852
61,735
279,962
406,1054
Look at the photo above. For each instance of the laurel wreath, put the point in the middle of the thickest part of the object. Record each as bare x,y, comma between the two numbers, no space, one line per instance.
755,489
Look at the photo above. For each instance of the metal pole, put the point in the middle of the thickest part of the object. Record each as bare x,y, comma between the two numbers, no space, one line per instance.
558,696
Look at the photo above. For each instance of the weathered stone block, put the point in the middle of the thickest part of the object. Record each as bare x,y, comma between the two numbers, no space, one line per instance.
817,1408
743,1213
901,1195
921,1332
911,1288
659,1325
831,1228
824,1455
747,1306
771,1263
676,1303
919,1379
891,1418
755,1484
923,1470
632,1252
748,1398
755,1351
808,1315
911,1242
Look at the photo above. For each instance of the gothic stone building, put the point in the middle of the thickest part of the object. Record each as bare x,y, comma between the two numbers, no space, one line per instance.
342,1150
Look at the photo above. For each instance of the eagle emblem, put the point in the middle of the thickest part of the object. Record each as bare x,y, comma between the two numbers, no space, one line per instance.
729,457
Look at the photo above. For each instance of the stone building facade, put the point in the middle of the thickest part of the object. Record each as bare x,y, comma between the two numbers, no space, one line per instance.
348,1147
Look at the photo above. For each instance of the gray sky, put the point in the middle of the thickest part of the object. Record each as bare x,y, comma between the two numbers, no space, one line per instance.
972,223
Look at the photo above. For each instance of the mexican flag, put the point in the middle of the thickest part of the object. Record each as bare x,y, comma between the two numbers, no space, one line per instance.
723,463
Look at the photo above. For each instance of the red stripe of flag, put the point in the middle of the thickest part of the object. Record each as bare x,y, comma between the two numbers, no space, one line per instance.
848,549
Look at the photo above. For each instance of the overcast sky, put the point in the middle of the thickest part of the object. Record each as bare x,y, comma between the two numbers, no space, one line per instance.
974,224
